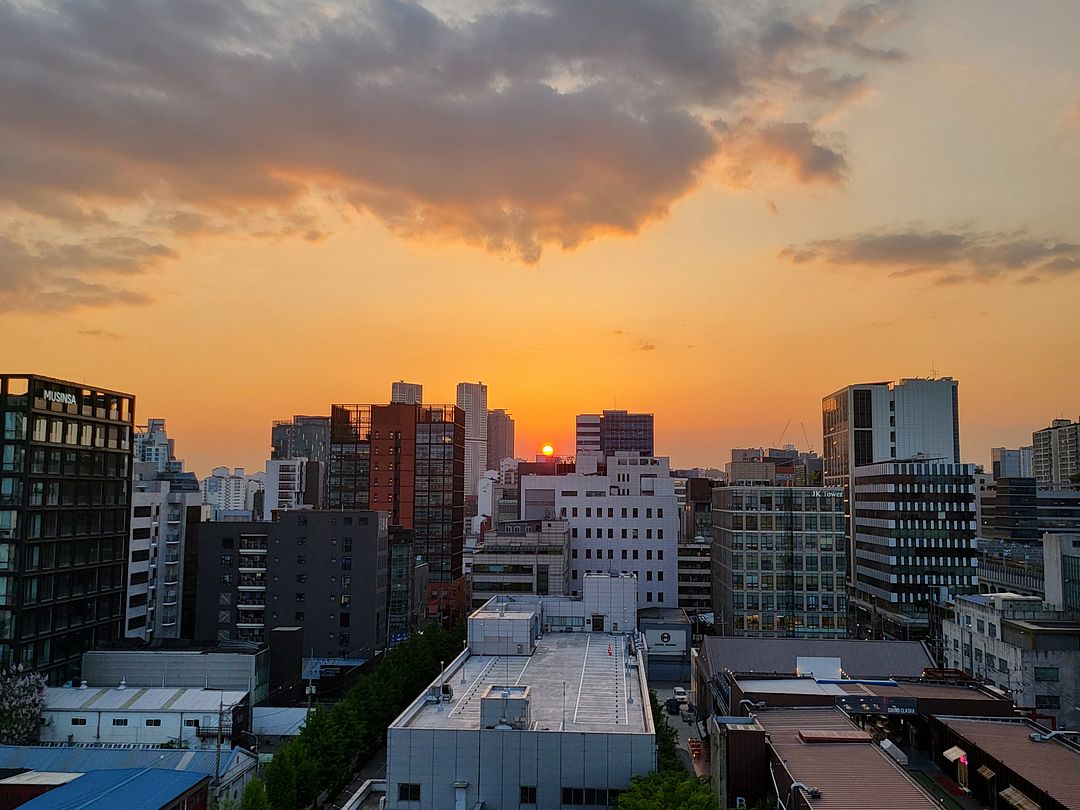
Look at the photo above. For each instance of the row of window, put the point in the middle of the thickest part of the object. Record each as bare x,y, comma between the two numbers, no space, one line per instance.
152,722
633,511
611,553
573,796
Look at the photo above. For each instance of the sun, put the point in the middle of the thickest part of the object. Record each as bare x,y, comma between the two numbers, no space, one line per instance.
548,450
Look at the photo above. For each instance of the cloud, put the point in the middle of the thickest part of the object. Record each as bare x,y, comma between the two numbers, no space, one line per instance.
948,256
103,334
546,122
646,346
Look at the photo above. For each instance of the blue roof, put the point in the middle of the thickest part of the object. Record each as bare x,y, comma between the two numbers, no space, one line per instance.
145,789
78,759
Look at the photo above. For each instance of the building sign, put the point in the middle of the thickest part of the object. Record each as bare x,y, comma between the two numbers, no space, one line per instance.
665,642
58,396
877,704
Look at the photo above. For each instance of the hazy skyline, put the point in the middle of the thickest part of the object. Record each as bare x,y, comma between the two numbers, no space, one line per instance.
718,214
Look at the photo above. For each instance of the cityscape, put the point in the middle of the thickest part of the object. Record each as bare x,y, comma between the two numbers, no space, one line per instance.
460,405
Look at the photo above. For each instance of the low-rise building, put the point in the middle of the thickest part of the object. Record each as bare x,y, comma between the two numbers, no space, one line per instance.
522,557
695,575
127,789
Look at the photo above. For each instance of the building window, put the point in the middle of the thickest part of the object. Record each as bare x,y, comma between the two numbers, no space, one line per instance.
78,721
528,794
1047,702
119,721
191,723
408,792
153,721
1046,674
648,596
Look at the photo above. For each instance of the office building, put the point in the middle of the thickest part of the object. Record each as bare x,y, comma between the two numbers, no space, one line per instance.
1018,463
472,399
522,557
778,561
694,573
65,507
288,486
165,510
545,708
235,491
500,438
625,519
1057,455
153,446
615,432
913,523
1023,645
301,437
1016,511
406,586
407,461
407,393
324,571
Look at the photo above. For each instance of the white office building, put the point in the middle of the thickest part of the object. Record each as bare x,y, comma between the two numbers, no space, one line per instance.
1009,463
472,399
225,491
623,520
285,485
1056,463
407,393
547,708
153,445
587,429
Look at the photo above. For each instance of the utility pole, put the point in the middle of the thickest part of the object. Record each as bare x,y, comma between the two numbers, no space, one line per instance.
217,751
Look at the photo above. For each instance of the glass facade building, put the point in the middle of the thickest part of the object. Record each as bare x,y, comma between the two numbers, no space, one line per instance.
778,561
65,505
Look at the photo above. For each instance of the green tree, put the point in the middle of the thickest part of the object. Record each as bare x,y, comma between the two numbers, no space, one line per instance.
22,698
667,756
668,790
254,797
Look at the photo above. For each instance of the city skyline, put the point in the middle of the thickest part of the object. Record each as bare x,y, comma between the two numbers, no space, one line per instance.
822,195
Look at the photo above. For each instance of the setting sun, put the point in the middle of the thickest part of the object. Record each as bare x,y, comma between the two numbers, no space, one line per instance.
548,450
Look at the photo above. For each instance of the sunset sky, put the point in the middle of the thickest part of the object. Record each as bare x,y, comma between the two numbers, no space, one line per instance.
716,212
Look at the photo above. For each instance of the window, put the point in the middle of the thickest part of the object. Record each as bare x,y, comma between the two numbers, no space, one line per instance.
301,559
298,616
191,723
153,721
78,721
119,721
528,794
1046,674
1047,702
408,792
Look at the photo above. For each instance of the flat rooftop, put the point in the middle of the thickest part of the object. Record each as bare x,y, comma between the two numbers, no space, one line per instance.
138,699
571,670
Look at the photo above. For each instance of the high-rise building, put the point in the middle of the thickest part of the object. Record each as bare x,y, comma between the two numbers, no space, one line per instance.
614,432
407,461
1057,455
235,491
472,399
1016,511
913,523
301,437
622,519
1006,463
287,485
500,426
153,446
522,557
778,561
65,507
407,393
324,571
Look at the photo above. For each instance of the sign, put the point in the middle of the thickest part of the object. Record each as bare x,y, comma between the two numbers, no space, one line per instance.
877,704
59,396
664,642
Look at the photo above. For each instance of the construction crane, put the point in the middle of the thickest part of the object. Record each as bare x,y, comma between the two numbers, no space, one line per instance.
782,435
809,447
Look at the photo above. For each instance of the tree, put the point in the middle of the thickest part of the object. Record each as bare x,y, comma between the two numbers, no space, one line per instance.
254,797
668,790
22,698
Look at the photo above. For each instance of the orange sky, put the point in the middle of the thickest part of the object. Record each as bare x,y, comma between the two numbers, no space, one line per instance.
929,219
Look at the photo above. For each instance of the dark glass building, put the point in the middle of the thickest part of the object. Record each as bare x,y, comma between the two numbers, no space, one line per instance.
301,437
409,461
623,432
65,504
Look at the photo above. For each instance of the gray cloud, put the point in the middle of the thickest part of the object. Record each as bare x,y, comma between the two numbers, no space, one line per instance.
948,256
548,122
103,334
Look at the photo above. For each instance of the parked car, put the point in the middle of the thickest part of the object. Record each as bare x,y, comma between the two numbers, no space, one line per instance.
679,693
672,706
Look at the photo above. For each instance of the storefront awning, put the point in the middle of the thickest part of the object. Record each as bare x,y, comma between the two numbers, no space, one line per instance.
954,753
1017,799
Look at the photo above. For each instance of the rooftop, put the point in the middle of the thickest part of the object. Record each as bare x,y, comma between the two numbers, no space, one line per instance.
823,749
139,699
1050,765
577,682
119,790
81,759
859,659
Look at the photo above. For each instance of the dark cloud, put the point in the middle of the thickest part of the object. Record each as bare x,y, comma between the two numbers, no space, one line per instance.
103,334
950,257
646,346
547,122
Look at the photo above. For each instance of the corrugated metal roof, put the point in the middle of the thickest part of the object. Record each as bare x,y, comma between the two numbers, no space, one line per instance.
860,659
144,789
849,774
139,699
79,759
1050,765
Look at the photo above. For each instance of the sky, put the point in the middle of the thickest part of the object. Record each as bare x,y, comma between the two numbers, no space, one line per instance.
715,212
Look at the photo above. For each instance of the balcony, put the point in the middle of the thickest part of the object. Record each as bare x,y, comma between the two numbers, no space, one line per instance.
172,580
212,731
253,546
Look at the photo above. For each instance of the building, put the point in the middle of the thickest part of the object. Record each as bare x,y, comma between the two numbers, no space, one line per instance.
235,491
778,561
915,547
153,446
407,393
324,571
65,508
615,432
522,557
695,575
406,586
544,708
500,425
1061,555
1017,511
142,789
301,437
1018,463
875,422
1023,645
408,461
165,510
1057,455
292,483
153,716
667,635
624,520
472,399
